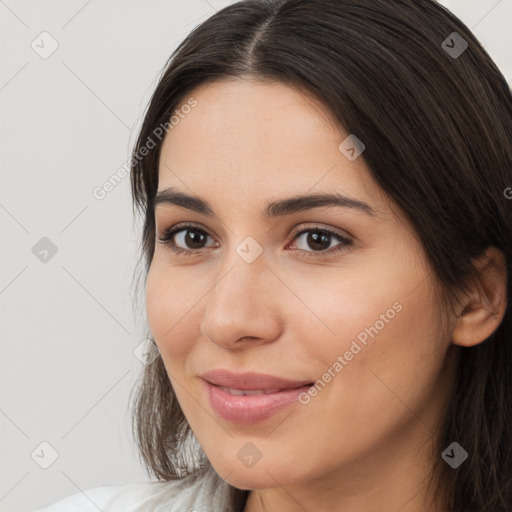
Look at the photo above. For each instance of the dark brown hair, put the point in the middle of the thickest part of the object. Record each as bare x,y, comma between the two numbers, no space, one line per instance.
438,132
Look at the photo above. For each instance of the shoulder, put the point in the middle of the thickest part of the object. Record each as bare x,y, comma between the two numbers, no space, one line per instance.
112,498
201,489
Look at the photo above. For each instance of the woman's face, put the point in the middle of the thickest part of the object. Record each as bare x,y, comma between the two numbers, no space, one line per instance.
271,291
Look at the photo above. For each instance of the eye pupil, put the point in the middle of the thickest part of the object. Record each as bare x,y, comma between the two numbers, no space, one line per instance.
323,239
193,237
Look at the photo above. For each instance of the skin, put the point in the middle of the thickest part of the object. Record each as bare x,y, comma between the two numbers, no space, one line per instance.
366,441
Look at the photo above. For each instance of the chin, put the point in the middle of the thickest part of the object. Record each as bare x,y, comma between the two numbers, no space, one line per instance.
252,479
262,475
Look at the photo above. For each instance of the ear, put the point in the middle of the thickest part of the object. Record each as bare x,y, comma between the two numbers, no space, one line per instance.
484,308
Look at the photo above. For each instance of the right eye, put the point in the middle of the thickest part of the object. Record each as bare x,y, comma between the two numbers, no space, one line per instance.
188,236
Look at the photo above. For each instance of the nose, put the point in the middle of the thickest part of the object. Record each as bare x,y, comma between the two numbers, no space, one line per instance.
243,307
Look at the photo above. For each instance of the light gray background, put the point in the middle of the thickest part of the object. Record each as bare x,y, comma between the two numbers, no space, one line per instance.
68,329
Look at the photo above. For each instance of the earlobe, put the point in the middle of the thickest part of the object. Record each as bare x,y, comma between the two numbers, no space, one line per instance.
485,306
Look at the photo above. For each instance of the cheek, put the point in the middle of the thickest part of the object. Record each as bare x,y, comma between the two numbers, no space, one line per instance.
393,349
344,307
384,324
168,307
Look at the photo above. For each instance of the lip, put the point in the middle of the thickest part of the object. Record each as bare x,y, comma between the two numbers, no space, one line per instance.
250,380
251,408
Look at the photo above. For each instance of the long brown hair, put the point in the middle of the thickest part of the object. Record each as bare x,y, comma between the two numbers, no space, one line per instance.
437,128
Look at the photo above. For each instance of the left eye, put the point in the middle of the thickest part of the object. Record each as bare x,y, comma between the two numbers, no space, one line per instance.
319,239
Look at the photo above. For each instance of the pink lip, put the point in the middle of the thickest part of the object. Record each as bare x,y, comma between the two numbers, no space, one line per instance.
250,408
250,380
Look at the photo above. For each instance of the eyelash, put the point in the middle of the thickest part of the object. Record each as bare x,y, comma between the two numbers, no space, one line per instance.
168,234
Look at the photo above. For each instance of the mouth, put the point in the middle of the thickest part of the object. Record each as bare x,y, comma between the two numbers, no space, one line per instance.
254,392
260,383
251,406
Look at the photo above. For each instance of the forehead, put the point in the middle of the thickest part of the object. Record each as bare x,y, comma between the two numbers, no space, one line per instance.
251,139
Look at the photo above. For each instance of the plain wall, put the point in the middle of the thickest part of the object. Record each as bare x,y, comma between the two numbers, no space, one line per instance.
68,328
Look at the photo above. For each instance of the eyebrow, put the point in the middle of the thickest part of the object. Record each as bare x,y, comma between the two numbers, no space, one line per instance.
278,208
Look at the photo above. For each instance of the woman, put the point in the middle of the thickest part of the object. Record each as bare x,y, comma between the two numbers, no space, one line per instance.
325,188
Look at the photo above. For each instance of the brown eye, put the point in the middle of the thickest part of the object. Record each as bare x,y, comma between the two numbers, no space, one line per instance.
184,238
319,240
192,239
